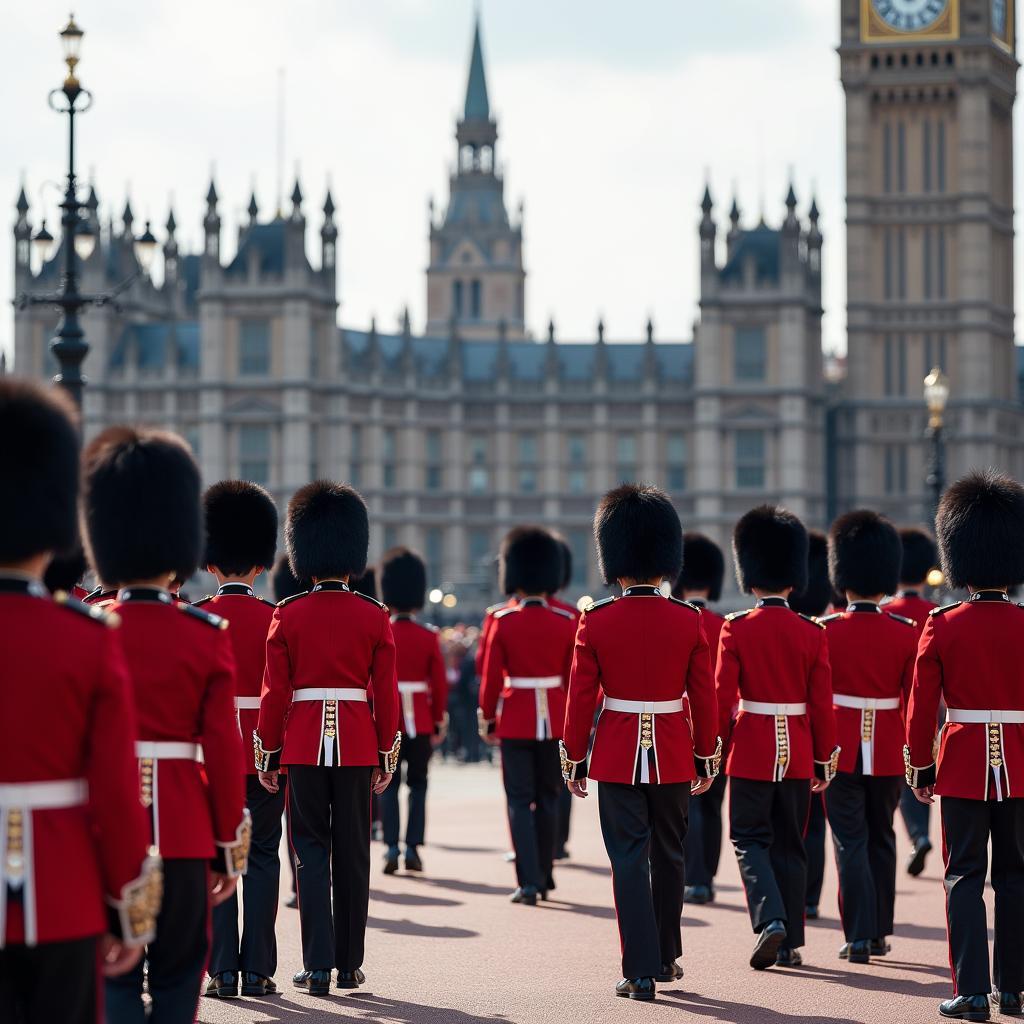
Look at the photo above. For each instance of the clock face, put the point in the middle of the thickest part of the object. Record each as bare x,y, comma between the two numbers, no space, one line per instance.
912,15
999,18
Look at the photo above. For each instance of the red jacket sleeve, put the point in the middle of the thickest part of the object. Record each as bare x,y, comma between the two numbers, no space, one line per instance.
276,698
481,644
438,678
819,701
727,680
584,684
700,688
923,711
493,679
384,679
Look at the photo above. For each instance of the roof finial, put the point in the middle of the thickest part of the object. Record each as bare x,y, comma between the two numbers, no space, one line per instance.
478,107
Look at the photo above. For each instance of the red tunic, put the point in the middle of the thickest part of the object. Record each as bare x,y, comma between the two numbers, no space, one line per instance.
485,633
772,655
529,642
972,656
911,605
647,648
422,679
67,711
331,637
557,602
183,675
872,654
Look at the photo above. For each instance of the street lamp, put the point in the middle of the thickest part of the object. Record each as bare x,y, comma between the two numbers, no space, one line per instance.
936,395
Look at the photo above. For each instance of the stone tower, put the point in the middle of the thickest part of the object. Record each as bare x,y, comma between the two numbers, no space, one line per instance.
476,279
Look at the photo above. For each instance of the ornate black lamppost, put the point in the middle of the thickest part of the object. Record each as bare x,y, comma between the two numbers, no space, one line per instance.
936,395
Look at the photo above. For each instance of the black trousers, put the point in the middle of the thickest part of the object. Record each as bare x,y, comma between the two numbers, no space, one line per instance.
814,841
55,981
860,812
532,774
176,960
565,799
766,825
644,829
916,815
967,827
704,835
330,834
414,757
257,951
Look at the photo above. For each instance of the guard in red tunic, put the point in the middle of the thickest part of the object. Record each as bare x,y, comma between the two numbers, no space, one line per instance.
423,691
142,515
700,583
527,669
775,662
241,537
972,656
648,754
78,892
325,649
872,653
920,557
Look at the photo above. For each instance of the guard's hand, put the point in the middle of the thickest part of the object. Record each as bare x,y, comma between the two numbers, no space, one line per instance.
578,787
116,957
268,780
699,786
222,886
818,785
436,740
490,738
379,781
926,794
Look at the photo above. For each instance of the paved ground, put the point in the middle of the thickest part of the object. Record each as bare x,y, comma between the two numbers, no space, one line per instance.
448,947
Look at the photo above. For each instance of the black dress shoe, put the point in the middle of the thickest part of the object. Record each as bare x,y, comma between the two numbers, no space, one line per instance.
915,863
636,988
525,894
350,979
391,862
857,952
879,947
699,894
811,912
562,854
316,983
256,985
293,902
669,972
787,957
1009,1003
768,944
966,1008
223,985
412,860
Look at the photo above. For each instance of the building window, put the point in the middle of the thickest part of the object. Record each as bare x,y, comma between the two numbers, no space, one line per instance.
625,458
390,536
579,544
887,263
749,354
926,155
389,455
480,557
474,299
750,470
895,469
434,537
457,298
901,263
901,364
434,468
254,348
528,448
254,453
576,449
940,158
528,479
355,454
576,482
940,273
479,476
675,452
887,157
901,157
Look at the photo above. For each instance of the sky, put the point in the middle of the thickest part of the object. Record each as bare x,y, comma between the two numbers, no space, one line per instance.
612,116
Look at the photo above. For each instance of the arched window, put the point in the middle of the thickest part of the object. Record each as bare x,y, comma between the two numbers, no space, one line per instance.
457,298
474,299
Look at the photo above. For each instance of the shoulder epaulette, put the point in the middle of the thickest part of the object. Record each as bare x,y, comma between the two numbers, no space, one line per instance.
738,615
294,597
265,601
372,600
428,626
945,608
812,620
603,603
830,618
502,612
217,621
495,608
202,601
686,604
110,619
561,611
902,618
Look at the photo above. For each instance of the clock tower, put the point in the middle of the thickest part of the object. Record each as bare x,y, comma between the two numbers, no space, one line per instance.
930,87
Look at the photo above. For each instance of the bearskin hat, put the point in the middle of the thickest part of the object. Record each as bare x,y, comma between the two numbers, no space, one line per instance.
241,527
980,529
327,531
65,570
366,584
703,566
920,555
638,534
864,553
815,598
563,544
39,469
141,505
530,560
283,581
403,580
769,546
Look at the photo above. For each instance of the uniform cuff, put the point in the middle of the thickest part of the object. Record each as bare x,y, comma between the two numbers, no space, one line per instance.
389,758
232,858
132,917
441,728
485,726
572,771
918,778
266,760
709,767
826,770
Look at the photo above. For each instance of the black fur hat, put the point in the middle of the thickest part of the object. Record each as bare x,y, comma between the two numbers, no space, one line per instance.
920,555
241,527
980,529
327,531
140,505
403,580
864,553
769,546
366,584
703,566
638,534
65,570
563,544
283,581
815,598
530,560
39,470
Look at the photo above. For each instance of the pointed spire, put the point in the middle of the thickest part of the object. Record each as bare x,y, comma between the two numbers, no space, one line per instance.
171,224
707,204
650,331
478,107
551,330
211,194
406,322
600,330
127,217
329,206
92,203
22,204
296,198
791,225
734,213
813,213
791,199
253,208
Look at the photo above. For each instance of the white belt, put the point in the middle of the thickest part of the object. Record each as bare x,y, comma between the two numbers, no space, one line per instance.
413,688
405,691
534,682
247,703
970,716
759,707
643,707
352,693
845,700
168,750
40,796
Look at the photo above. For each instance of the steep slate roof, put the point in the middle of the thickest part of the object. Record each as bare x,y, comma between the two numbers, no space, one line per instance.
153,346
761,244
477,106
267,240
